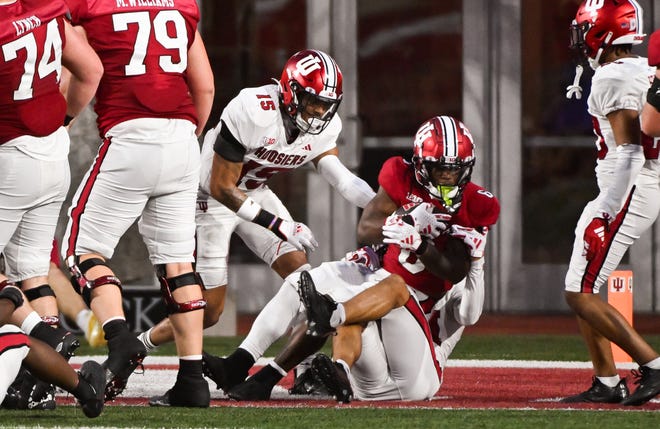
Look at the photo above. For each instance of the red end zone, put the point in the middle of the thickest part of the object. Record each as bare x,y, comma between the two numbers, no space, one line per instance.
463,387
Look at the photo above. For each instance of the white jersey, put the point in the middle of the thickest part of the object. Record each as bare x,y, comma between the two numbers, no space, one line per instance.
618,85
253,117
621,84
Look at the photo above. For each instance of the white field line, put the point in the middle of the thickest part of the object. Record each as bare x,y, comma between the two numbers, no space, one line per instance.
456,363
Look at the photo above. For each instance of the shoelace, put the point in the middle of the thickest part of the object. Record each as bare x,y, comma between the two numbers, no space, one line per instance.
637,376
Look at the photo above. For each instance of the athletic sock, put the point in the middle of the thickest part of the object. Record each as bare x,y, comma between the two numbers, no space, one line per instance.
338,317
654,364
82,320
190,368
610,381
240,361
83,390
145,337
115,328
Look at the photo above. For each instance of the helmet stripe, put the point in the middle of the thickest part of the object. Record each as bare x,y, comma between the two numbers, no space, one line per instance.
330,81
449,137
638,16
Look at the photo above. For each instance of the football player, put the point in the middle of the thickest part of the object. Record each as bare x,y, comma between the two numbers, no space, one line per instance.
261,132
627,173
438,185
651,111
152,104
36,43
40,358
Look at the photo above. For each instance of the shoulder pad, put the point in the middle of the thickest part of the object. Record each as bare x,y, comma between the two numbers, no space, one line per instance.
260,105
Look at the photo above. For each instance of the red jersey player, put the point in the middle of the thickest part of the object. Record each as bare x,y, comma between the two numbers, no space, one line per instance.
152,103
36,41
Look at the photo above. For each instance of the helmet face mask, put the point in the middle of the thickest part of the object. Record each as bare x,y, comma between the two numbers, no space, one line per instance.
599,24
443,158
311,90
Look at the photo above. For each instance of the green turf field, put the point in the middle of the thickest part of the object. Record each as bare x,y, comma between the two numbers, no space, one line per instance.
523,347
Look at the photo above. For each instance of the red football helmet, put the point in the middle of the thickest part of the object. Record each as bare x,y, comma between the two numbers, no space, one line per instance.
599,24
311,78
444,142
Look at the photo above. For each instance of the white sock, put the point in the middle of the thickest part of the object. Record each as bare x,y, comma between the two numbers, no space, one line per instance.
610,381
82,320
145,337
344,365
654,364
338,317
30,322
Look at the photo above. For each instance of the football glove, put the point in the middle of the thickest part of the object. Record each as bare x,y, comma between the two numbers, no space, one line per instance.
472,237
427,222
594,236
297,234
367,256
406,236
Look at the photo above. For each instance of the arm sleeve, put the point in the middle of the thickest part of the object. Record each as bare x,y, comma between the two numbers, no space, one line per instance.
468,308
351,187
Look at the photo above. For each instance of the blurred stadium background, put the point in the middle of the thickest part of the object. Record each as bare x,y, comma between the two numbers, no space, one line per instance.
500,65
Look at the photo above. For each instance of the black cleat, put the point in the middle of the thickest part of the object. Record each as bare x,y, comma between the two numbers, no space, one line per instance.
93,373
648,380
185,393
217,369
29,393
319,307
126,354
334,378
307,383
68,345
250,390
600,393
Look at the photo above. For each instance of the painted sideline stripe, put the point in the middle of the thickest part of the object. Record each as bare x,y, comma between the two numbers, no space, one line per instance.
172,362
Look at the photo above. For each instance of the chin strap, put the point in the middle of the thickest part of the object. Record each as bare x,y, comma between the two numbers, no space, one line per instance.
575,89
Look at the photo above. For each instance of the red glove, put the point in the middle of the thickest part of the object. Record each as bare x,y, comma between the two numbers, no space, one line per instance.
594,237
654,49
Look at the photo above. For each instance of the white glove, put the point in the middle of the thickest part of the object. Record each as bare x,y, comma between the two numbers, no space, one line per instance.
297,234
426,222
475,240
406,236
366,256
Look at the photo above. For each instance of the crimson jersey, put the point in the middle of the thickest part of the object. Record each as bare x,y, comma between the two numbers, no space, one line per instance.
478,208
143,45
31,38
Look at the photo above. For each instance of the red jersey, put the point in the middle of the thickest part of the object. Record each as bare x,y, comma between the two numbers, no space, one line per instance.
31,38
478,208
143,45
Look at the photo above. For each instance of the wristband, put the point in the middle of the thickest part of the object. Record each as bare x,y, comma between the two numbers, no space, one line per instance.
13,294
248,210
652,96
68,119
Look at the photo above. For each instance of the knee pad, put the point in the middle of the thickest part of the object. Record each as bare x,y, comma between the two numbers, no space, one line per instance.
168,285
39,292
81,284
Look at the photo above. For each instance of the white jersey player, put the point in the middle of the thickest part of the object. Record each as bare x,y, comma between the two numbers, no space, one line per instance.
261,132
629,197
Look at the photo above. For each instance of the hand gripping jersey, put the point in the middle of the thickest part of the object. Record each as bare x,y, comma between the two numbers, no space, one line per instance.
31,41
254,118
621,84
479,208
143,45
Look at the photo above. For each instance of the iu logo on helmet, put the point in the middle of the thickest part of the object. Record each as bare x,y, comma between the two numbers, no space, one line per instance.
308,65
